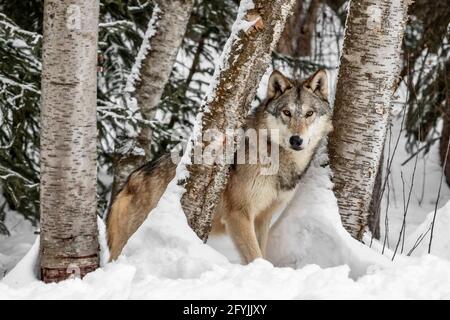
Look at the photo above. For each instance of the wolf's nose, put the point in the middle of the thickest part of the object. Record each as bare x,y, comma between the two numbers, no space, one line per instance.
296,142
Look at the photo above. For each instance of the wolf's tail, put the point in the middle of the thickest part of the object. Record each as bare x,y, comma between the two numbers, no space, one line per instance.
116,224
134,202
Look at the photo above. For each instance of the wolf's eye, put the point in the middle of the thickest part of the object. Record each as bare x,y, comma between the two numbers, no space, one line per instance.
309,114
287,113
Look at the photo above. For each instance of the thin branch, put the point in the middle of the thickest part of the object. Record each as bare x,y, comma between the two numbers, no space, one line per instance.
426,146
438,197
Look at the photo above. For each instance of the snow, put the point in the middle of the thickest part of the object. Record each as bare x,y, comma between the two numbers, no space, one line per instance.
165,259
26,270
285,12
15,246
310,255
19,43
116,24
312,219
424,188
419,240
143,50
8,24
222,62
27,87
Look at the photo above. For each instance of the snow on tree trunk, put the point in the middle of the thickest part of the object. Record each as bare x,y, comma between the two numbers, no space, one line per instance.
370,65
161,58
149,76
243,62
69,236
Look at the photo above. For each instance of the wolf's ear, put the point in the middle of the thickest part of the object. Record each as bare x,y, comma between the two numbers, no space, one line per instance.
318,84
278,84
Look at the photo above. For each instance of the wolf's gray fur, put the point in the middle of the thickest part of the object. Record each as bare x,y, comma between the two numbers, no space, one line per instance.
301,114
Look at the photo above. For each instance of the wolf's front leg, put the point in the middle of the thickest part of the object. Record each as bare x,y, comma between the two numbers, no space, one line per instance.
262,226
241,228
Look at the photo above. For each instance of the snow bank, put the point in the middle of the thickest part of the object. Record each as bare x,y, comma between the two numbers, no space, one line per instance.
418,242
26,270
15,246
312,219
165,259
424,186
422,278
165,246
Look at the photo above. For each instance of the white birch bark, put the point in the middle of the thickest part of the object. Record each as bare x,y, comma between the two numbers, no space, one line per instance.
370,65
240,68
161,58
68,204
150,74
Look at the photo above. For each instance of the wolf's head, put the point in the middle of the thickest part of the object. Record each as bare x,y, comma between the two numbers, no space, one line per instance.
299,110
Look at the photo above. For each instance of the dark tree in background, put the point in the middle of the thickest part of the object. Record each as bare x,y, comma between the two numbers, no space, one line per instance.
20,77
297,36
425,71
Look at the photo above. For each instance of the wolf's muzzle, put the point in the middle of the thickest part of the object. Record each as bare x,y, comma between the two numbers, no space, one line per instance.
296,142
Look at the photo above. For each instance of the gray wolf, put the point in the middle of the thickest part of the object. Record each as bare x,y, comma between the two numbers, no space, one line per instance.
301,114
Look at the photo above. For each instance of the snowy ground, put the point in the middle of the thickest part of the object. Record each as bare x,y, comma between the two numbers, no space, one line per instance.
311,255
425,184
14,247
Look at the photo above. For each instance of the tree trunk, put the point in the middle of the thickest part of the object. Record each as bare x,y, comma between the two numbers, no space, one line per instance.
241,66
166,32
444,143
69,236
288,43
296,38
158,63
370,65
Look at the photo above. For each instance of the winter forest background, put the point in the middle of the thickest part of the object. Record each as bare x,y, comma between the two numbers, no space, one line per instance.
411,186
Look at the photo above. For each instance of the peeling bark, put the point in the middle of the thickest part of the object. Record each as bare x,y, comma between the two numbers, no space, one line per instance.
172,19
242,64
68,203
370,66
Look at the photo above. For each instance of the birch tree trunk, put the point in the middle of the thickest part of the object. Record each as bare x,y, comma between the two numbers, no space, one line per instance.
159,52
370,65
243,62
69,236
158,63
